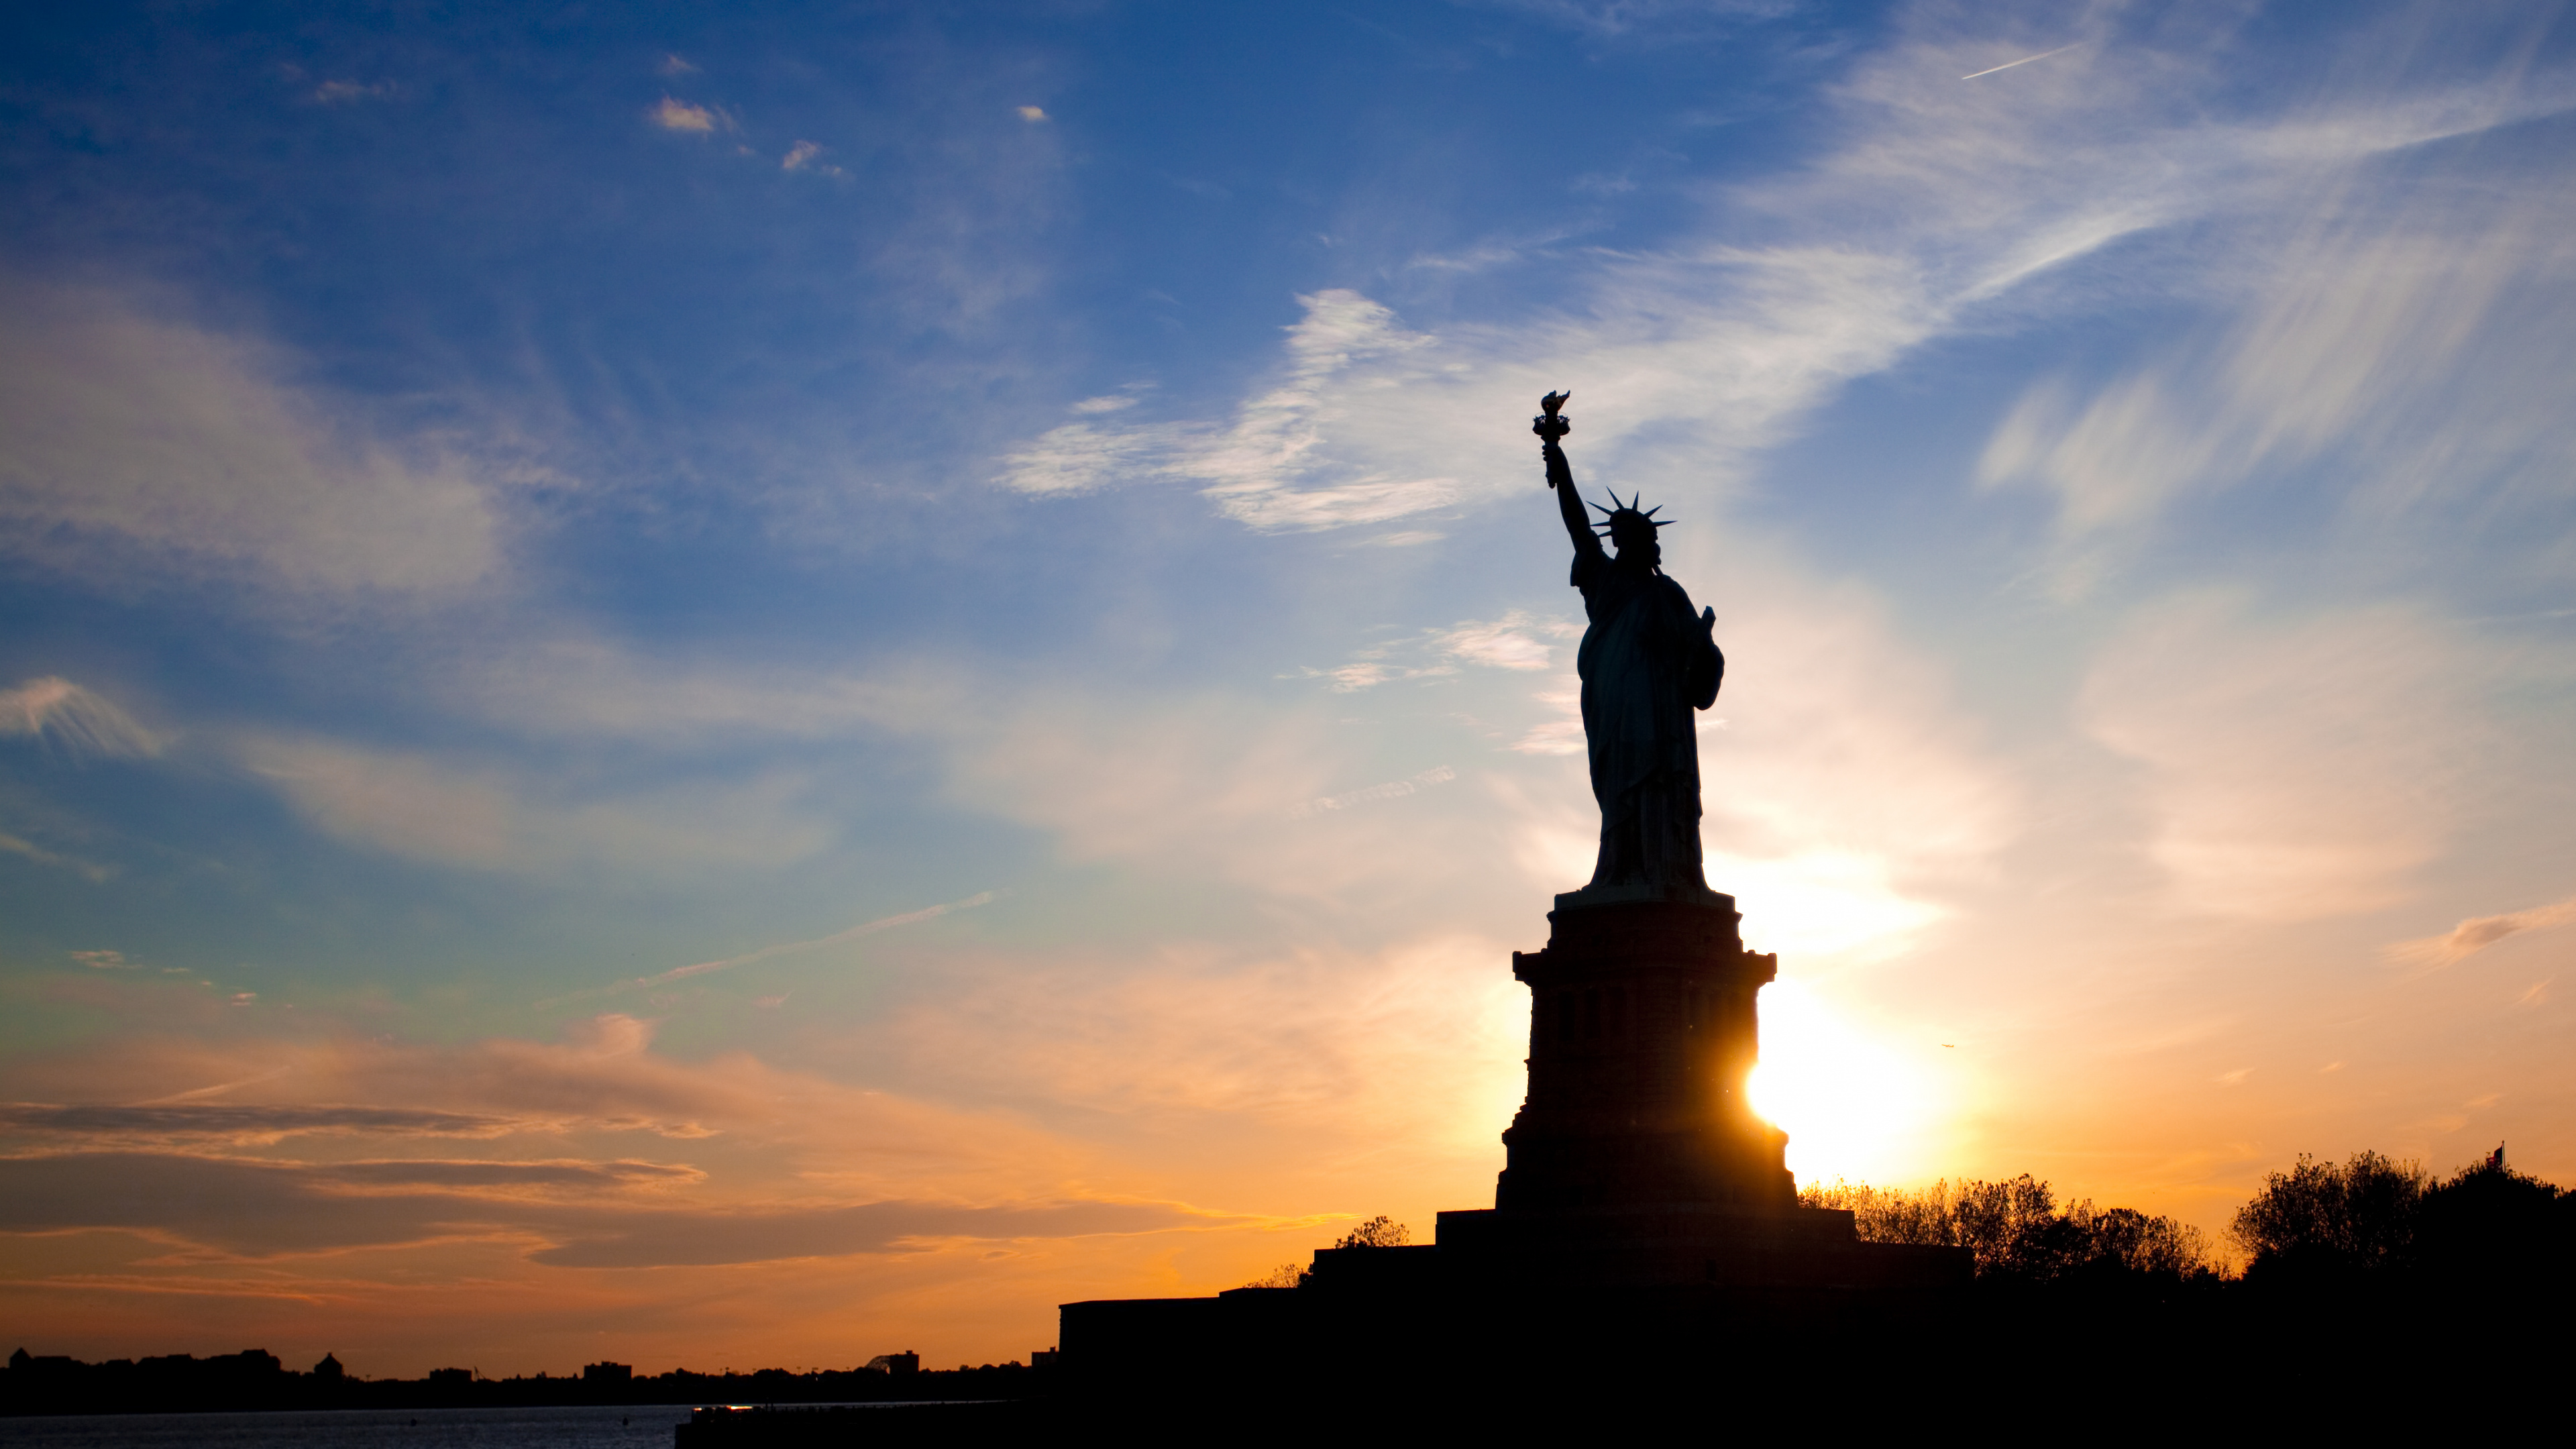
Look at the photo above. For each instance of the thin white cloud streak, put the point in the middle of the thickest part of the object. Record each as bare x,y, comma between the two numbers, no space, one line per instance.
1391,790
2432,953
786,948
89,870
134,449
2297,769
864,928
218,1089
2025,60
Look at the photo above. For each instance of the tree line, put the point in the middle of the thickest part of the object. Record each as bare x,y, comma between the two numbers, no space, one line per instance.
2370,1221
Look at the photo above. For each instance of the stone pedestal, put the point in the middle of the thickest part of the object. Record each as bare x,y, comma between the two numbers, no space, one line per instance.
1636,1162
1641,1036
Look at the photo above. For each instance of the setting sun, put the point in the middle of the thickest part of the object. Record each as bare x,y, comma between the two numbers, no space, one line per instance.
1855,1105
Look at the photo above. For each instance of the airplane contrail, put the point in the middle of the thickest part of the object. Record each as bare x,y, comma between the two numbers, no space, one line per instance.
867,928
193,1095
864,928
2025,60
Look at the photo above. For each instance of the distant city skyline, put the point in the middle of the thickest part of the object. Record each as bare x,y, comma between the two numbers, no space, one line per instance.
691,687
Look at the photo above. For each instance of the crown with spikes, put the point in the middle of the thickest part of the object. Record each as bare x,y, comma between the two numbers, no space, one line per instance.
1608,527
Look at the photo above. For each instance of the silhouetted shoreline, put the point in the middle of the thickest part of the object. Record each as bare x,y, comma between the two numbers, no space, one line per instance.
255,1380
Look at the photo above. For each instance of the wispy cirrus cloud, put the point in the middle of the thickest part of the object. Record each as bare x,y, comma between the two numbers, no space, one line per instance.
598,1083
135,448
83,724
245,1125
468,1175
27,849
1270,468
666,1239
262,1210
1518,640
1413,784
2432,953
788,1166
2409,345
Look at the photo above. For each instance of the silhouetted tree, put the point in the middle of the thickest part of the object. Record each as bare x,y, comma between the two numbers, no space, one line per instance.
1378,1232
2016,1230
1286,1275
2320,1221
2012,1227
2490,1229
2141,1242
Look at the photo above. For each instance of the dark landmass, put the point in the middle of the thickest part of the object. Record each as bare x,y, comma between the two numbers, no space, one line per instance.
2372,1292
256,1380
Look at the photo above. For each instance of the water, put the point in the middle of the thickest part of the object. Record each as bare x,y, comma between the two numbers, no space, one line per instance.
631,1427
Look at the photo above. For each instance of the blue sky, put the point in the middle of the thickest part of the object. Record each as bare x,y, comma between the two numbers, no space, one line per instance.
743,684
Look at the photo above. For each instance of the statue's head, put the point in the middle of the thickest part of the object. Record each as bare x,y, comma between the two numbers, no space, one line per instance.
1633,533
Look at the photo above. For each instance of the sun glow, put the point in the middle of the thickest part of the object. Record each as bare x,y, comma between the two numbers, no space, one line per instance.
1855,1105
1819,903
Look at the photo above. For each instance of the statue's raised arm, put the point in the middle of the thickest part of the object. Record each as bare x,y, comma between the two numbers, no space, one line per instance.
1551,427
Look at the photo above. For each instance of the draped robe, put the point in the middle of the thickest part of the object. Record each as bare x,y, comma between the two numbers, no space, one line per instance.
1648,666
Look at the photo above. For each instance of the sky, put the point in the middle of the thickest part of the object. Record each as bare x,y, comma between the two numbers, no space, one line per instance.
752,685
